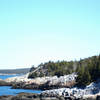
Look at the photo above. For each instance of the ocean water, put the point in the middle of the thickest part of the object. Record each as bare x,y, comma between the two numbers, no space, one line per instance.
8,76
6,90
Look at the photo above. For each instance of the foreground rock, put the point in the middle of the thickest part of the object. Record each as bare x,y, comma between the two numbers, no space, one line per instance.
91,91
6,97
30,96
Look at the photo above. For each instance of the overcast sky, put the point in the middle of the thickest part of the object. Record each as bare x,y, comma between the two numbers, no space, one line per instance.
35,31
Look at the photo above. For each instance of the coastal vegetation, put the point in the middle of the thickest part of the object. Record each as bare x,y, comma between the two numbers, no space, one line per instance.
88,69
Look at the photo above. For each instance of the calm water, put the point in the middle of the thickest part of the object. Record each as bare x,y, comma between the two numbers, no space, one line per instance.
6,90
7,76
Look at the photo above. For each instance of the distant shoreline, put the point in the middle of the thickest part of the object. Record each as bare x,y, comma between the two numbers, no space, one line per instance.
10,74
14,71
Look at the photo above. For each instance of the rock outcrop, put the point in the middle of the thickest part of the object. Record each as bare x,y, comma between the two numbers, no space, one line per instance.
43,83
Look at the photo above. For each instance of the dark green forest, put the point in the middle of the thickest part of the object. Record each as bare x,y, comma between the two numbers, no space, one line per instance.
88,69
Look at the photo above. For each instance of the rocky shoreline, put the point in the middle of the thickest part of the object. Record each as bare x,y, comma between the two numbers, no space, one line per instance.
31,96
56,88
41,83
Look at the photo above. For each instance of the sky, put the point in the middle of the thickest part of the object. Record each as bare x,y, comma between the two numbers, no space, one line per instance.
36,31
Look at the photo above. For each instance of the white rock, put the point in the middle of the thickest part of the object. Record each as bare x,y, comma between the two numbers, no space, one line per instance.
42,80
91,90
